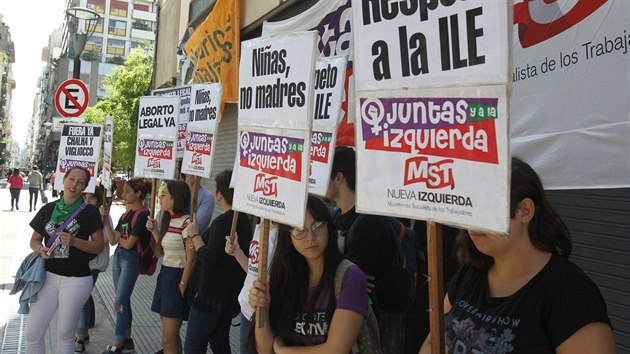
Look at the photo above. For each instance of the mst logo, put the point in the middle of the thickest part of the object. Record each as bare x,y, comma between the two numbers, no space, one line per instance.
153,162
438,174
196,158
267,185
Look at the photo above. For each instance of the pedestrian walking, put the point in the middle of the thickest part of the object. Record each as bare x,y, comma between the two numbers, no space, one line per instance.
16,183
35,186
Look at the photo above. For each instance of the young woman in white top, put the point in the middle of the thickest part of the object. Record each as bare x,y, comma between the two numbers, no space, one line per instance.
177,262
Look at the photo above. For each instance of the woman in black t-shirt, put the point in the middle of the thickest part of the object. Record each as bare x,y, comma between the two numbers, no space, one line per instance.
68,279
126,260
518,293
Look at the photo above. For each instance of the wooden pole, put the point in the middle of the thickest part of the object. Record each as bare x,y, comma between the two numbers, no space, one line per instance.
152,202
262,313
436,287
233,228
195,195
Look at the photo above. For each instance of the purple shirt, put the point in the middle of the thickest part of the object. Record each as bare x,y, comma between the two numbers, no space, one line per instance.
312,327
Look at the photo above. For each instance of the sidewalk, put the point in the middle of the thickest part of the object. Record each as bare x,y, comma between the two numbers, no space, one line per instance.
147,327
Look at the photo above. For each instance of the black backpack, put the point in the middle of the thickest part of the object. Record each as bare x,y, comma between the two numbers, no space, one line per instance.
401,279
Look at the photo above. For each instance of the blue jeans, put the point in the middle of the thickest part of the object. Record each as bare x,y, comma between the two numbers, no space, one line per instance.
244,331
84,319
208,327
15,196
125,271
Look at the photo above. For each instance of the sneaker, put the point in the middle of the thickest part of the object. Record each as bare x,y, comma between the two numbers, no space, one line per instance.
79,347
128,347
111,349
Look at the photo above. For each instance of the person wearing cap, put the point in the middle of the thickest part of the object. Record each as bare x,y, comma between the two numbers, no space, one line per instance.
370,247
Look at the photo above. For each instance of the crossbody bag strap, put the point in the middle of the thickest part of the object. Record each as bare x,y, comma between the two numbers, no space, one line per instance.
61,227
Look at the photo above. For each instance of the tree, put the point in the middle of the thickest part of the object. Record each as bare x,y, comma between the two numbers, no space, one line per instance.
125,84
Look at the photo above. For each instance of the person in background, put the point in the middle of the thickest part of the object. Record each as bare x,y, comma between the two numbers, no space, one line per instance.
36,185
369,250
126,260
250,264
177,262
68,281
97,265
16,184
519,293
205,204
303,310
53,178
217,278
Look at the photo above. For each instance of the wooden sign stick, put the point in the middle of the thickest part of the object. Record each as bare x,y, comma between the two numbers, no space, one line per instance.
262,313
195,196
153,192
233,228
436,287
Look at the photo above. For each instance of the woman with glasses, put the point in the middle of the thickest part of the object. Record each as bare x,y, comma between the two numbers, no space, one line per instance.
303,309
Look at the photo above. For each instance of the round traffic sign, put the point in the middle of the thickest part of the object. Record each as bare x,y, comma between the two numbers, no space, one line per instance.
71,98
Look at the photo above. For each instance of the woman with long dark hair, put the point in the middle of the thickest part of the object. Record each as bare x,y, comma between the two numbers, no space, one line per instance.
177,262
68,280
303,310
519,293
130,230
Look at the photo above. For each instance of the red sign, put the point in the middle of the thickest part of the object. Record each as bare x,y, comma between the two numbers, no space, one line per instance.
71,98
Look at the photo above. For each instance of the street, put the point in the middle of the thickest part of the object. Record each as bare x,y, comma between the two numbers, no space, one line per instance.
15,234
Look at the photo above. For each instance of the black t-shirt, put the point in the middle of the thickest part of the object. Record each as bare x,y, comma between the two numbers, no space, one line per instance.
139,228
217,277
539,317
371,249
68,261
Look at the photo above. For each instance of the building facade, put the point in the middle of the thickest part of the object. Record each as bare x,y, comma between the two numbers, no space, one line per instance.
7,84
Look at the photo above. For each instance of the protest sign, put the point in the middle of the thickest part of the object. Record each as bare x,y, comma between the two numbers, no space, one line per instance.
184,106
157,132
202,128
329,79
439,155
421,44
107,152
276,81
58,122
272,174
80,145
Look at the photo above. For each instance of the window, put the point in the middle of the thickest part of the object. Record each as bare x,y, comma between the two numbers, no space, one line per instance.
118,8
118,28
99,25
96,5
94,44
116,47
141,7
141,25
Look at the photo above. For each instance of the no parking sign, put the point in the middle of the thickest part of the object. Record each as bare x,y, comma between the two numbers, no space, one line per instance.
71,98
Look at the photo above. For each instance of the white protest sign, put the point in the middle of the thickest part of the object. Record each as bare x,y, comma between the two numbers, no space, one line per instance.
440,155
184,105
107,152
276,80
329,91
437,43
201,130
80,145
58,122
157,137
272,174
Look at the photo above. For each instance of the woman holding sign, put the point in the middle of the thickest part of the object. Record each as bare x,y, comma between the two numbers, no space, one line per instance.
130,230
177,262
68,280
519,293
303,308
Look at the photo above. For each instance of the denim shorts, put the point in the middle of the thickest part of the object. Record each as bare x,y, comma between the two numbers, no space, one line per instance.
167,300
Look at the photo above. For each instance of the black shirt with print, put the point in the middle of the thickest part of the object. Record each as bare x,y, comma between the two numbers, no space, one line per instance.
68,261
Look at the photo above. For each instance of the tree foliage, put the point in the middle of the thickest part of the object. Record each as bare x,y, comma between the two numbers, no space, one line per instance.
125,84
